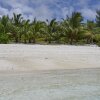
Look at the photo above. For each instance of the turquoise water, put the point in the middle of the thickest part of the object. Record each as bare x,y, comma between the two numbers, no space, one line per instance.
81,84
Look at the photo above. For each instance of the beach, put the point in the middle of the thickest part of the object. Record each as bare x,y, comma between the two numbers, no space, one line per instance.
79,84
19,57
49,72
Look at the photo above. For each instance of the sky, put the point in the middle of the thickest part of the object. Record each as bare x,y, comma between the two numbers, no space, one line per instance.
48,9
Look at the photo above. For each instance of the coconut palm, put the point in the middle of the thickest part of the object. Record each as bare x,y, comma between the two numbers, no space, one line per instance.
72,26
17,19
90,30
35,30
4,23
24,30
4,29
17,22
50,30
70,30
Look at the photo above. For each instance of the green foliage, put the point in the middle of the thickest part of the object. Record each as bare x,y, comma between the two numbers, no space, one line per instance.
72,26
67,31
97,37
98,43
96,30
4,38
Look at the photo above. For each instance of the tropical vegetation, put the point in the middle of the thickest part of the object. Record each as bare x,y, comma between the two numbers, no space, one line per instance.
71,30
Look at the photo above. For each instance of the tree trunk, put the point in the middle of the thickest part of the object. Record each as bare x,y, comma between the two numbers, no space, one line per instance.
20,38
34,41
71,41
25,41
29,41
49,41
16,39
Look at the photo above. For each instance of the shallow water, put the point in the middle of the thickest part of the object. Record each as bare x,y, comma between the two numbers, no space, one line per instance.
83,84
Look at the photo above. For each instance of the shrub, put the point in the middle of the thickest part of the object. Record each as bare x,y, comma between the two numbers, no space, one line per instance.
4,38
98,44
97,37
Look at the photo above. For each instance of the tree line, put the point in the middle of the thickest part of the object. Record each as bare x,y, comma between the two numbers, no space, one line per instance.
71,30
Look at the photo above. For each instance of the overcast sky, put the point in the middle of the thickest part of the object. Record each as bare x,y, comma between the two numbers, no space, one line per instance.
47,9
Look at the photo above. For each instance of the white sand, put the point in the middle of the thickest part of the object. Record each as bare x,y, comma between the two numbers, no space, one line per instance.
49,84
19,57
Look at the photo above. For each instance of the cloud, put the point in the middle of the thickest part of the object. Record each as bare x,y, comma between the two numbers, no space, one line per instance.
88,13
67,11
3,11
47,9
29,9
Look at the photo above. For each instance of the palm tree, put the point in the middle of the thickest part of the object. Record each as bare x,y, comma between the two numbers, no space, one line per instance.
4,23
17,22
50,30
90,30
72,26
24,30
35,30
17,19
57,33
4,29
70,30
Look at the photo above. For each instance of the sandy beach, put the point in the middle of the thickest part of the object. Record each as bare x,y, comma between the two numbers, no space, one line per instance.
80,84
49,72
19,57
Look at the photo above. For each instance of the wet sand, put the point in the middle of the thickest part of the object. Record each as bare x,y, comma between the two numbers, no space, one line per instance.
79,84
